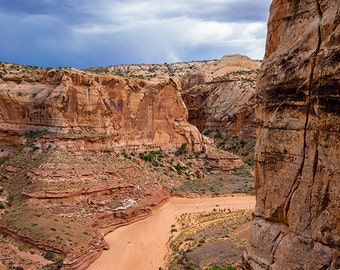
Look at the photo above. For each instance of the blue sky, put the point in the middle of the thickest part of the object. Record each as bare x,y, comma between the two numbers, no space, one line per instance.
89,33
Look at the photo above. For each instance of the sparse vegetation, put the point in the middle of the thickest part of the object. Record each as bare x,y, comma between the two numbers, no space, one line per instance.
155,157
178,168
182,150
202,233
32,134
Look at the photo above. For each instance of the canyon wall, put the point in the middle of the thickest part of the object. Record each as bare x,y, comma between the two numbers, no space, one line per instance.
219,94
226,106
297,214
223,99
92,111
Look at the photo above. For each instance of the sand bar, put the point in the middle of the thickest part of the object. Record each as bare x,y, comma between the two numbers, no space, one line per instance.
142,245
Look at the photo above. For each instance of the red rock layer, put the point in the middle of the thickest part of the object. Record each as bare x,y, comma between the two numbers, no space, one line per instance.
95,111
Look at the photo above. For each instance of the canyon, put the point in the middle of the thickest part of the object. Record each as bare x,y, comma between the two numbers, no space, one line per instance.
297,155
83,152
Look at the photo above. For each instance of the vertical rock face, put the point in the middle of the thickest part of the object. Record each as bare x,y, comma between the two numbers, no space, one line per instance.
226,106
297,215
223,99
91,111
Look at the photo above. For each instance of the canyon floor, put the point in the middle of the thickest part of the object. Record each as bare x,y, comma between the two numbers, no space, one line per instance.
60,203
200,232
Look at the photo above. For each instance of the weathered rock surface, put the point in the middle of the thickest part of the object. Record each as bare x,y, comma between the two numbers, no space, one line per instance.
297,224
93,111
219,94
225,106
225,100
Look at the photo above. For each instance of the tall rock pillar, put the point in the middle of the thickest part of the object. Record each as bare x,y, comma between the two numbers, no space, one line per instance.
297,214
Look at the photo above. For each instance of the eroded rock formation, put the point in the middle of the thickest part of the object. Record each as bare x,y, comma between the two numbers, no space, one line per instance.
223,101
297,214
226,106
219,94
93,111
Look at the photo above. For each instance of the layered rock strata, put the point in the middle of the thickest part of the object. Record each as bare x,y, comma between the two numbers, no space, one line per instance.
223,99
219,94
93,111
297,214
226,106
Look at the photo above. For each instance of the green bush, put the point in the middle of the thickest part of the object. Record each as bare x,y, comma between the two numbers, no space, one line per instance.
125,153
49,255
191,266
249,161
207,132
178,169
182,149
32,134
147,156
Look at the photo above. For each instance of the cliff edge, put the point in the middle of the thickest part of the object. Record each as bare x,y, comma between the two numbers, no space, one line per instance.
297,214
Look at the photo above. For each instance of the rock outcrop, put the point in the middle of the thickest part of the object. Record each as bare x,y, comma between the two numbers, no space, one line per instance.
226,106
219,94
223,99
93,111
297,214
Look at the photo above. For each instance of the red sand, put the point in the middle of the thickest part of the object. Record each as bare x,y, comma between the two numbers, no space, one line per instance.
143,245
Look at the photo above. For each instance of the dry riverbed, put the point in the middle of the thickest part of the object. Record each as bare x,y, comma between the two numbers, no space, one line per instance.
145,244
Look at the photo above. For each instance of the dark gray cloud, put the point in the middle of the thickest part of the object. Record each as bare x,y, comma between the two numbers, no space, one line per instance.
85,33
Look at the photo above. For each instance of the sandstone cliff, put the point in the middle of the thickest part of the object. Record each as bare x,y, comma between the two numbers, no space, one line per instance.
297,213
219,94
223,100
99,111
224,105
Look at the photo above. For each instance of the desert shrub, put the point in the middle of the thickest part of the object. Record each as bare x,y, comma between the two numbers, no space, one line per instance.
49,255
125,153
32,134
147,156
178,169
249,161
218,135
58,263
206,132
191,266
154,157
173,230
201,241
242,143
182,149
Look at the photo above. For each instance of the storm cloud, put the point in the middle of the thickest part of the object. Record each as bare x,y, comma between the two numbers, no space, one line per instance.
87,33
